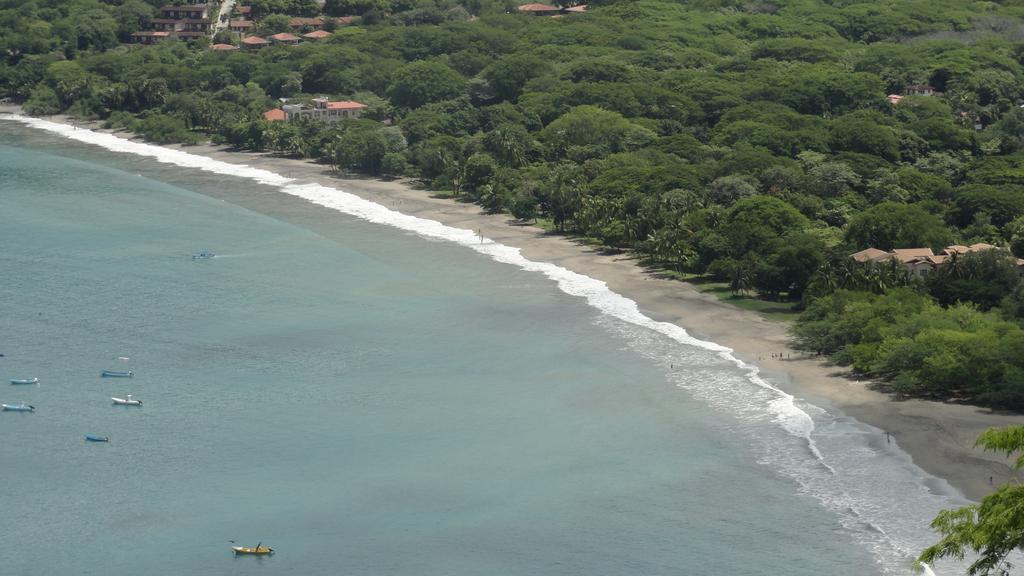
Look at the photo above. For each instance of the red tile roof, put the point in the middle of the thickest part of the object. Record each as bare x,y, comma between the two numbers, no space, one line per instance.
284,37
870,254
908,254
274,115
223,47
254,41
296,22
345,105
317,34
243,9
344,19
240,24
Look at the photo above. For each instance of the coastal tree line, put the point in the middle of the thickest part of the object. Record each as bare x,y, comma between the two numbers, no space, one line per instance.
754,142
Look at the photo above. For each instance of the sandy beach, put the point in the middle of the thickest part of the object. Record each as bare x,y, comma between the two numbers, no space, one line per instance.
939,437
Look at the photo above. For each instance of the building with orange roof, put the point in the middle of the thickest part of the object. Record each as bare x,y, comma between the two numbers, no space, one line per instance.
325,110
919,262
284,38
275,115
316,35
306,22
254,42
223,47
241,26
149,37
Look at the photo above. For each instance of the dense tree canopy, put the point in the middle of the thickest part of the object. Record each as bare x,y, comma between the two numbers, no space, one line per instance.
753,141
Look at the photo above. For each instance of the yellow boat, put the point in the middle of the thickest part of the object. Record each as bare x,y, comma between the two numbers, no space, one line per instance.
257,551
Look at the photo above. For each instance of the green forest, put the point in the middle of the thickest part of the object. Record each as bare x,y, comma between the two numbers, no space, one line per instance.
753,141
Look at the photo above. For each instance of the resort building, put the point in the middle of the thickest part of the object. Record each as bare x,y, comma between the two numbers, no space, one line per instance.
195,12
223,47
919,262
240,26
299,23
149,37
254,42
284,38
187,22
320,109
275,115
316,35
922,90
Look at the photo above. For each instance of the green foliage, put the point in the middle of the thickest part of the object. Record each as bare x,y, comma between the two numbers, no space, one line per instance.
731,136
992,529
423,82
892,225
907,339
42,102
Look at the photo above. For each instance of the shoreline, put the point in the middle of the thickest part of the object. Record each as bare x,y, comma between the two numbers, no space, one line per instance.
939,437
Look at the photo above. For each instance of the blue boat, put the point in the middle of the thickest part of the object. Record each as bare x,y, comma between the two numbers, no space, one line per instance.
116,374
92,438
25,381
204,255
18,407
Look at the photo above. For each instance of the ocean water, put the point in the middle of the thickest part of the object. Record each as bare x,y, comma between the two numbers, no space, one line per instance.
374,394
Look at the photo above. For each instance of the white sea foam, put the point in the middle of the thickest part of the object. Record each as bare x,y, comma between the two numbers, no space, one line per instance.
815,474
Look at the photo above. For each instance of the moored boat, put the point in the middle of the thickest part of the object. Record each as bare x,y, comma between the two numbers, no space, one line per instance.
25,381
18,407
259,550
94,438
117,374
127,401
204,255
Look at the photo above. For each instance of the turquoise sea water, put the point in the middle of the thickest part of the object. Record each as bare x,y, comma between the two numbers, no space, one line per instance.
371,402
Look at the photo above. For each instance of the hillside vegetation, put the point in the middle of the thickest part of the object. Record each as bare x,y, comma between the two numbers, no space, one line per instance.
750,140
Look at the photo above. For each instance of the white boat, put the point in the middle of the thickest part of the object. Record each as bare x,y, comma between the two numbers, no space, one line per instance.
26,381
18,407
127,401
204,255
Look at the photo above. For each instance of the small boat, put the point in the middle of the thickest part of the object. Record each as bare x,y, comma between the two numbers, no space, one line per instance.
128,401
94,438
117,374
204,255
25,381
18,407
259,550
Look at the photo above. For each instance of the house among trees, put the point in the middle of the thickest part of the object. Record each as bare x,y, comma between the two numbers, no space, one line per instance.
240,26
149,37
320,109
300,23
181,22
919,262
284,38
254,42
223,47
922,90
316,35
